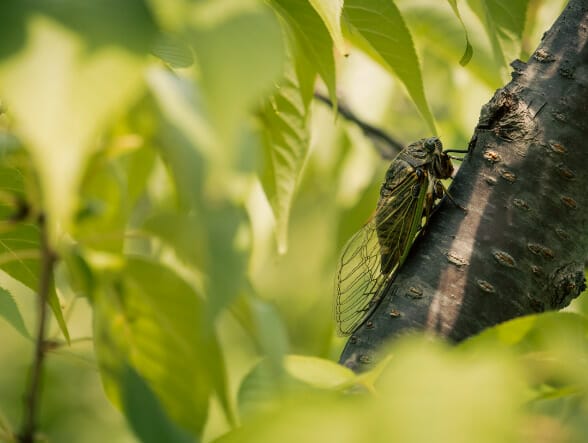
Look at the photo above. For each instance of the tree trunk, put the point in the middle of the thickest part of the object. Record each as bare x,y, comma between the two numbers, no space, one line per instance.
521,246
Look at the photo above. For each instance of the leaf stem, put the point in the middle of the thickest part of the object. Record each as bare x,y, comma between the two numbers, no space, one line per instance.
33,390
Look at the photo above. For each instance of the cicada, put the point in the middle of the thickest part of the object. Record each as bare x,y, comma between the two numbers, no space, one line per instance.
374,254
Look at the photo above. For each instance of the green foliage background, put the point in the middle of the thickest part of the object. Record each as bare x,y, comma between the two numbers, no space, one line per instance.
197,198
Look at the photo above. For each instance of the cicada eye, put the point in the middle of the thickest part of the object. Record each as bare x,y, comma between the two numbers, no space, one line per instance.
430,144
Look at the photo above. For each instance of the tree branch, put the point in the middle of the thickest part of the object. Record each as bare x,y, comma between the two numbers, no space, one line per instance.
522,245
33,390
386,145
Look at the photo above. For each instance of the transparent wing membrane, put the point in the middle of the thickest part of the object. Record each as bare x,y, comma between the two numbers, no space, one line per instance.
373,255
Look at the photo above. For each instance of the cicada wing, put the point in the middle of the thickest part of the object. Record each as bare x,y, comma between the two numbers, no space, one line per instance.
359,279
398,218
372,256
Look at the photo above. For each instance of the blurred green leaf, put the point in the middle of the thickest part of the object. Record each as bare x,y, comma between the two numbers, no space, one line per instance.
173,50
504,22
477,398
379,30
145,414
330,11
208,231
318,372
65,69
438,30
183,233
310,41
285,134
268,384
554,345
270,330
461,399
10,312
239,54
153,319
109,192
469,51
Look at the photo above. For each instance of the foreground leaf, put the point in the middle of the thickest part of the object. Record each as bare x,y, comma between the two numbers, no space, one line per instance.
65,69
145,414
379,30
240,52
330,11
151,319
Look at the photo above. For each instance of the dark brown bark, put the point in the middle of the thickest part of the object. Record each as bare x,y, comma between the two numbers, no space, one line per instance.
522,245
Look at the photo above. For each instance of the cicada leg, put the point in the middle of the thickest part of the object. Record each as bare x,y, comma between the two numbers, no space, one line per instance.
451,199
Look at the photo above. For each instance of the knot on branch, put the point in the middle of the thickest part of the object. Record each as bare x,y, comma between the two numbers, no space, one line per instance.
508,117
568,282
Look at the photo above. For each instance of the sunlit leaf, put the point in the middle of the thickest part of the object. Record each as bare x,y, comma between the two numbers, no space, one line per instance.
504,22
285,134
9,311
555,344
330,11
310,41
468,52
379,30
437,29
422,383
66,68
318,372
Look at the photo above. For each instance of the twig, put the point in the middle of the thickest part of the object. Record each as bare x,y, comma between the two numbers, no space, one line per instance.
33,391
387,145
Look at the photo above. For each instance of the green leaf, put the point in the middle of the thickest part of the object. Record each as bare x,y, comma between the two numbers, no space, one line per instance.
10,312
504,22
240,52
174,51
267,383
66,68
310,41
145,414
318,372
286,143
422,382
435,28
20,240
467,55
330,11
109,193
554,344
152,319
379,30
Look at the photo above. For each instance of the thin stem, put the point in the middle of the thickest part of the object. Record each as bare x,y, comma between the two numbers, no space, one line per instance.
379,137
33,391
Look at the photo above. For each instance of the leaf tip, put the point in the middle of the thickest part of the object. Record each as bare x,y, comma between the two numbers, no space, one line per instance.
467,55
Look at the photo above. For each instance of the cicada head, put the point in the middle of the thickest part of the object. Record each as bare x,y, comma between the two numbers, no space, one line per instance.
441,165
